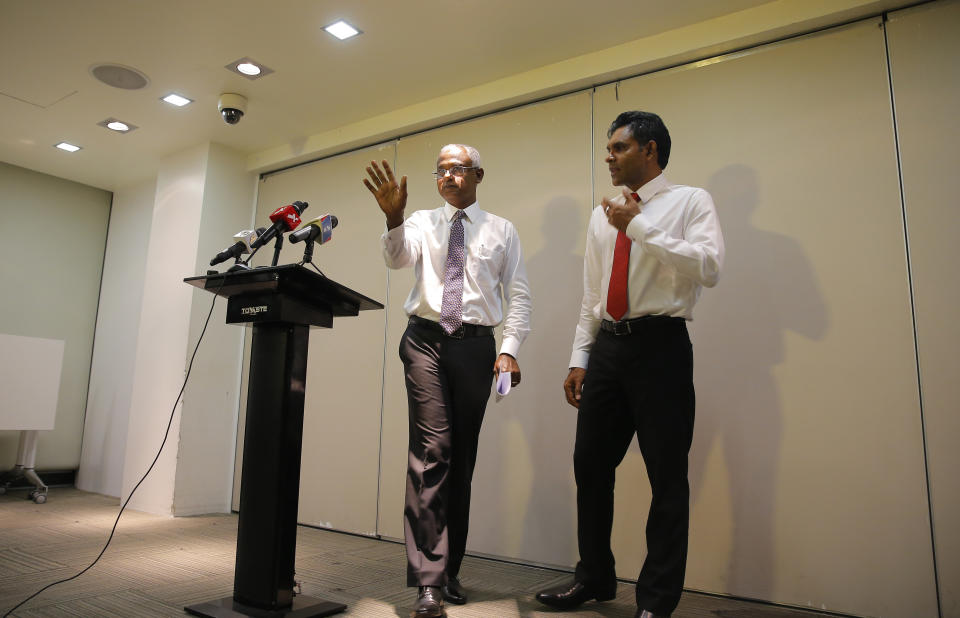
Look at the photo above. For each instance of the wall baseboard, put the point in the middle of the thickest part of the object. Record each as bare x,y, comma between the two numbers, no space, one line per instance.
52,478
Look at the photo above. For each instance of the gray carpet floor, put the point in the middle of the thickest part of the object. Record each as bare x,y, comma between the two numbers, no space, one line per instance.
157,565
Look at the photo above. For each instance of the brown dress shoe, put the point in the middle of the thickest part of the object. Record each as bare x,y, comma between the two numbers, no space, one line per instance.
429,603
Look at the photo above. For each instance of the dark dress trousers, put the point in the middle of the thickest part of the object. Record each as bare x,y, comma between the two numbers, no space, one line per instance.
638,384
448,383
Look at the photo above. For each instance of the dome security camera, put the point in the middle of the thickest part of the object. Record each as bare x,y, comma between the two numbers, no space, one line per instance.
231,107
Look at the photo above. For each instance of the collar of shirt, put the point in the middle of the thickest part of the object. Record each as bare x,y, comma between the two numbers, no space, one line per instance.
647,191
470,212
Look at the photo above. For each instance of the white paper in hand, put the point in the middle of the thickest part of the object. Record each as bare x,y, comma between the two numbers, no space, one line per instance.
503,385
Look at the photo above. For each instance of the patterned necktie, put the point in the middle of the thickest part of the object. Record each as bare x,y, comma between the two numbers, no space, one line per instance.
451,314
617,292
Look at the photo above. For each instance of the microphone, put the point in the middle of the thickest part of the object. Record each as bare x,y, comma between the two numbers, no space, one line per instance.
319,230
244,240
284,217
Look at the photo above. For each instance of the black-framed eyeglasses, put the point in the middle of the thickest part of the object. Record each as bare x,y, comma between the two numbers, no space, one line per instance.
457,170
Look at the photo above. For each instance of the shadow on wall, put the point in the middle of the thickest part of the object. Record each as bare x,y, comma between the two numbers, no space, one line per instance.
767,287
525,463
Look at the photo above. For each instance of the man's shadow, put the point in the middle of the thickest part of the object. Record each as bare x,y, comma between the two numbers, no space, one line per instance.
766,287
527,454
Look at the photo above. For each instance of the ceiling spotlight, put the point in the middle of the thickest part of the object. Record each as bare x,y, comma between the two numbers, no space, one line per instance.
249,68
67,147
117,125
176,99
342,30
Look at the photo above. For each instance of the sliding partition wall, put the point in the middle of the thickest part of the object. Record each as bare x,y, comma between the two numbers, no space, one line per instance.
820,450
924,48
808,447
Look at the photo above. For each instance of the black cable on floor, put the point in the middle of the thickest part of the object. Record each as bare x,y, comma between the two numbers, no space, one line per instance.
143,478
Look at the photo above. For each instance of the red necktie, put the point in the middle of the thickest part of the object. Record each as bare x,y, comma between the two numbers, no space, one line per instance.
617,292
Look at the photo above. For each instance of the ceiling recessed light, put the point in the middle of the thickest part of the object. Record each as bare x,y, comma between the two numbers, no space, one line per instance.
249,68
117,125
176,99
342,30
67,147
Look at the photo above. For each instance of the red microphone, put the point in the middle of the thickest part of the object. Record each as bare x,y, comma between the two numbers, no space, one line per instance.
287,214
285,219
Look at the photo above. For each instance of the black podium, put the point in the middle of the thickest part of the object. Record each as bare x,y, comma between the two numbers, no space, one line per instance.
282,303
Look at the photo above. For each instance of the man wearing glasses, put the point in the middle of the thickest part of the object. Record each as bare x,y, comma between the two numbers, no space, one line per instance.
467,263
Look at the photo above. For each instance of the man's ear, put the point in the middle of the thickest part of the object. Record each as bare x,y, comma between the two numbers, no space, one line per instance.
652,149
479,174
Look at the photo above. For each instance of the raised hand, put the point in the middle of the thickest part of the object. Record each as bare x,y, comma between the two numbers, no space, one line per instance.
391,197
620,215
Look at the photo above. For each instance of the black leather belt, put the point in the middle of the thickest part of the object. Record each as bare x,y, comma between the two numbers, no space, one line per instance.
626,327
465,330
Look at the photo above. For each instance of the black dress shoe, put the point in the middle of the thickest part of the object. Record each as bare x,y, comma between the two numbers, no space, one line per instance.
453,592
429,604
646,613
570,595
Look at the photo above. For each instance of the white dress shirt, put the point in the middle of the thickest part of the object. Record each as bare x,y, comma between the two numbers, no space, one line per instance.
677,248
493,269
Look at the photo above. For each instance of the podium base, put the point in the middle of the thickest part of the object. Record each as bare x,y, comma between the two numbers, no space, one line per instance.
302,607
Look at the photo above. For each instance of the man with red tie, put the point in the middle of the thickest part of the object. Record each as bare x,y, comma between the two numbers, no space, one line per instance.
649,252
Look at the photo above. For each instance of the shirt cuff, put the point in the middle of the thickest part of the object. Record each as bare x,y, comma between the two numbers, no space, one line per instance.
638,228
510,346
579,358
392,235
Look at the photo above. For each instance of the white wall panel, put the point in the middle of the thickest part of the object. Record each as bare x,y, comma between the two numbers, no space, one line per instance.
118,322
924,48
50,273
807,467
537,162
341,427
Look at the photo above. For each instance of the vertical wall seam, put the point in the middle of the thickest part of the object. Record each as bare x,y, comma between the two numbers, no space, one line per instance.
93,340
383,366
913,309
593,152
243,344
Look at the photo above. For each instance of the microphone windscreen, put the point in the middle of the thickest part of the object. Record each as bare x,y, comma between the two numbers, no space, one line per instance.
289,215
246,237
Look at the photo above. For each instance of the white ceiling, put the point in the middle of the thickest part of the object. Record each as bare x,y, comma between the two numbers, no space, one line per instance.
410,51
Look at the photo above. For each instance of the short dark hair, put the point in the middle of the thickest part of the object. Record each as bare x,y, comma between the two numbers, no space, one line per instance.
645,126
